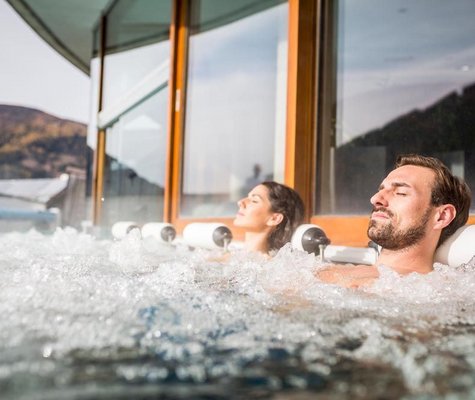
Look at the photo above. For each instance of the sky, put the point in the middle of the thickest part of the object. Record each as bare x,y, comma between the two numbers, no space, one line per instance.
401,56
33,74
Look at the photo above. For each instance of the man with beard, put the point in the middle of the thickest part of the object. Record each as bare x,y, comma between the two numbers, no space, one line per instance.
416,208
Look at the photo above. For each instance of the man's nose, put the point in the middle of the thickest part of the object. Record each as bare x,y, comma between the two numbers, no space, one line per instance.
379,199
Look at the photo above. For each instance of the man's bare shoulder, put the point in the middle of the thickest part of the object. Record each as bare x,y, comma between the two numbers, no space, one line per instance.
348,275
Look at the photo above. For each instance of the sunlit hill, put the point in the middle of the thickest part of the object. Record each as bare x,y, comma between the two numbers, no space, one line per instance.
34,144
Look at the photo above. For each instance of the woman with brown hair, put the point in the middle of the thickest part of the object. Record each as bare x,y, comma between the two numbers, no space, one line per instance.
269,214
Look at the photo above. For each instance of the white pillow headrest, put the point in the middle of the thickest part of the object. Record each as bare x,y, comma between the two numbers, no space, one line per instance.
309,237
120,229
207,235
161,231
459,248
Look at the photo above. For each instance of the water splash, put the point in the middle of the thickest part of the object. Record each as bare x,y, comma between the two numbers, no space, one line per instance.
90,316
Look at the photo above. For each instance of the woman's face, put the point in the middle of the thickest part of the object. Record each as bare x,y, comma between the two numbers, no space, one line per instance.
255,212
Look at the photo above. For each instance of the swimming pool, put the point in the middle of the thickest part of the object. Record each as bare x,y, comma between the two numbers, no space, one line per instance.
87,318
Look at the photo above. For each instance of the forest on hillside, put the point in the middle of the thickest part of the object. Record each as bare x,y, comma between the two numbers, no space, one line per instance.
34,144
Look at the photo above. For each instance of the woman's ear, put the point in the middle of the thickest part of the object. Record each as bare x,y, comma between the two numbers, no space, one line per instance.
275,219
445,215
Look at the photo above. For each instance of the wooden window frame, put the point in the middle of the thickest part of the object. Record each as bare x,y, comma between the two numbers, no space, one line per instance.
100,153
309,40
300,111
179,34
349,230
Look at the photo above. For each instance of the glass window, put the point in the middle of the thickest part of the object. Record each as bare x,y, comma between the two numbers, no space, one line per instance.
135,163
134,111
92,130
137,42
401,80
235,104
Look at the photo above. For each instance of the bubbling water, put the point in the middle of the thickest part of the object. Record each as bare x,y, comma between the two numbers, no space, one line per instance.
90,318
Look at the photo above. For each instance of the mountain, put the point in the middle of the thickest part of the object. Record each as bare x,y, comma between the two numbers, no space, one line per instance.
445,130
445,126
34,144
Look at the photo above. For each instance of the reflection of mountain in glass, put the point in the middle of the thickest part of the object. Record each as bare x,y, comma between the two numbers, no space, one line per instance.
445,130
128,195
120,180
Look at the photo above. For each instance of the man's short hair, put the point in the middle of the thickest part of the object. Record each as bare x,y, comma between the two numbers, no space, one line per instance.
447,189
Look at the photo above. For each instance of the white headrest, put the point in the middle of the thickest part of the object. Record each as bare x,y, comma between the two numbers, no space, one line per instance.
457,249
161,231
207,235
122,228
309,237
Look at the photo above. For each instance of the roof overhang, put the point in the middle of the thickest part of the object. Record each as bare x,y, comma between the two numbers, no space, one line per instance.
66,25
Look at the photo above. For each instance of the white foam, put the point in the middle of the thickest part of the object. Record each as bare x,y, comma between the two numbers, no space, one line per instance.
70,292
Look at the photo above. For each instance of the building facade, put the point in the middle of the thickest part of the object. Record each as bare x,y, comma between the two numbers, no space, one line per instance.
196,101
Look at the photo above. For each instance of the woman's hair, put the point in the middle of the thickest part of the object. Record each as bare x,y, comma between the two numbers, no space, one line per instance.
287,202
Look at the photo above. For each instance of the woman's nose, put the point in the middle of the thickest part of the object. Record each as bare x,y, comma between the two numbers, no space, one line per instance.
241,203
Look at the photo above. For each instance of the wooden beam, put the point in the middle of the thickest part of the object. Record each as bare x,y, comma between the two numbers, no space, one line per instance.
179,43
301,92
99,155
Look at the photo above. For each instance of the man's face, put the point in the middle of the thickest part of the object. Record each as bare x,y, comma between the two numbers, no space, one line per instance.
401,207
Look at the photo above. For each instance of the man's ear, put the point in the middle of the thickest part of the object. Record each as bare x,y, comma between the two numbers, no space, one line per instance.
275,219
445,215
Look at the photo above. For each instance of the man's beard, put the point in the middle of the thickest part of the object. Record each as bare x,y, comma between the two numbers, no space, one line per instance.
388,237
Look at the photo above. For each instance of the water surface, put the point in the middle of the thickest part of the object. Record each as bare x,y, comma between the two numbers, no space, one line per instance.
86,318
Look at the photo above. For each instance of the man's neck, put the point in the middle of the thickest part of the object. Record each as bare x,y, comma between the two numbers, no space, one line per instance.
418,258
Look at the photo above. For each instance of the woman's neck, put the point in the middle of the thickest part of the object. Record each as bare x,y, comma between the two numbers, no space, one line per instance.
256,241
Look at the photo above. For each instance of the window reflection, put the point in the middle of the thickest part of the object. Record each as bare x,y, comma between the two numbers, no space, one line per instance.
136,43
92,129
134,110
135,163
235,107
404,81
